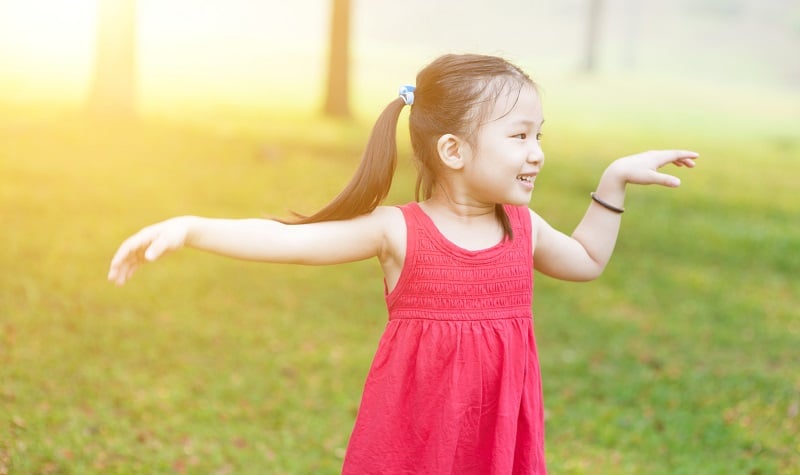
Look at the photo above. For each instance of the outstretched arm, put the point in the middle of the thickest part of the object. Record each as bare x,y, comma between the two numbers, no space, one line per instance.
584,255
329,242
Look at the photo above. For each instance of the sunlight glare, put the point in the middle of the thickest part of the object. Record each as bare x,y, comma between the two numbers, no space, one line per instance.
223,51
43,39
233,52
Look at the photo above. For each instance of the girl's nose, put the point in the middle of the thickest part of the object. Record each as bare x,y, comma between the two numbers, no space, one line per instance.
536,155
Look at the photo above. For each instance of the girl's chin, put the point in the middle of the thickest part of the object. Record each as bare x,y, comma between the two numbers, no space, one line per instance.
520,201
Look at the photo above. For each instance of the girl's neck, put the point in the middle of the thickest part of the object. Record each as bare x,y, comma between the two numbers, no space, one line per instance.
468,225
455,207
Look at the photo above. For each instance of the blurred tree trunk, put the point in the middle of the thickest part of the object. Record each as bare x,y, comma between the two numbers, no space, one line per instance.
337,94
631,34
113,88
594,16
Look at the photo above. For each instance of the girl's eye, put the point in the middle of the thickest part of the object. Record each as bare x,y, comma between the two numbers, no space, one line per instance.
539,136
522,136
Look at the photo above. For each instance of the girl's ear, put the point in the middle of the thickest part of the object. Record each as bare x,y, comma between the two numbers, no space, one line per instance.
451,151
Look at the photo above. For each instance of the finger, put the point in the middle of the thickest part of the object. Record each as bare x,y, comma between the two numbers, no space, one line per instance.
114,273
129,254
119,267
122,277
687,154
118,263
129,273
664,157
684,162
665,180
130,247
158,247
119,256
117,275
119,270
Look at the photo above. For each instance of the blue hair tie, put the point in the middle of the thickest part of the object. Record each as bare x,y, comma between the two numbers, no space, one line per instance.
407,93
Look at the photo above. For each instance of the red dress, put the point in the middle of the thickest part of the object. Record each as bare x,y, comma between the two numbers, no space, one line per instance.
455,386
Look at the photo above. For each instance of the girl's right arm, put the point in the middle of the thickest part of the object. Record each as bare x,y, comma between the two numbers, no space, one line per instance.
328,242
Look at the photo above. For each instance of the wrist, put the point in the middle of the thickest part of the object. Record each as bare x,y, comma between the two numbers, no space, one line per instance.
612,182
605,204
614,174
187,226
610,191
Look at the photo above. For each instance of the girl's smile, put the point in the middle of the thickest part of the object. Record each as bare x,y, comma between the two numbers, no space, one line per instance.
527,180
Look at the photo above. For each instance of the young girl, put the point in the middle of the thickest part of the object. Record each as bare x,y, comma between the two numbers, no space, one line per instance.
455,385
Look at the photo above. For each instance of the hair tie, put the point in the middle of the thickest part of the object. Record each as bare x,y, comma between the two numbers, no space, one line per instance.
407,93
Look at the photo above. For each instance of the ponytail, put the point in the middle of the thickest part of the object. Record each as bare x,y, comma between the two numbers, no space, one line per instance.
371,182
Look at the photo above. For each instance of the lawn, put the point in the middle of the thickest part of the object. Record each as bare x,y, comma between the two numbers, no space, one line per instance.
681,359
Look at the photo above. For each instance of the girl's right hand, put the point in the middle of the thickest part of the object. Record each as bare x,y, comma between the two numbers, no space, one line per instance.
147,245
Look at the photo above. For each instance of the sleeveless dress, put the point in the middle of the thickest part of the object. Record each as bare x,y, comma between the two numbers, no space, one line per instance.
455,386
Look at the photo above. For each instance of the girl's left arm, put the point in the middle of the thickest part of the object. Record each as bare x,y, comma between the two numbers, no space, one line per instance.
584,255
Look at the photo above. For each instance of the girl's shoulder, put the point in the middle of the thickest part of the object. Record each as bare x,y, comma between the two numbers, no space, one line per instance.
390,214
392,221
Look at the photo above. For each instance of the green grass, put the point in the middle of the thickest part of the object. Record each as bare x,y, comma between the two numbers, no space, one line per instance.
681,359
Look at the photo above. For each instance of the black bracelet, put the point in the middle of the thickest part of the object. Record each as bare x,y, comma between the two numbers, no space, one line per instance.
605,205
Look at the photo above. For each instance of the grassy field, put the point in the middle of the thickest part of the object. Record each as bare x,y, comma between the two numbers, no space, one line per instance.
681,359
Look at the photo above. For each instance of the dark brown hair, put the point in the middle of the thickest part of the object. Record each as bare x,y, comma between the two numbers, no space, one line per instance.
453,95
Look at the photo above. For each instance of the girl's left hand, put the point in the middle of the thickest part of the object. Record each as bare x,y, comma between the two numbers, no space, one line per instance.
642,168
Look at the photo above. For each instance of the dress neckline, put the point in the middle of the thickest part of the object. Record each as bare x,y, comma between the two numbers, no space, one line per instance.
446,243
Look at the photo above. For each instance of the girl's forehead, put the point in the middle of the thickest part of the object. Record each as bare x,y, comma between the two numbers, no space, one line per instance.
515,104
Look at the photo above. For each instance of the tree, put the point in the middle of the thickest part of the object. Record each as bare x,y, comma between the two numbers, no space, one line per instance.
631,33
337,94
592,35
113,89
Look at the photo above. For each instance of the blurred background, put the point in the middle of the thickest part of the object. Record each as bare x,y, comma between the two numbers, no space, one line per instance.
681,359
262,54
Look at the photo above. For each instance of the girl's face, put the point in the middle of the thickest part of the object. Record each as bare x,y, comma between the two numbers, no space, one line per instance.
507,156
